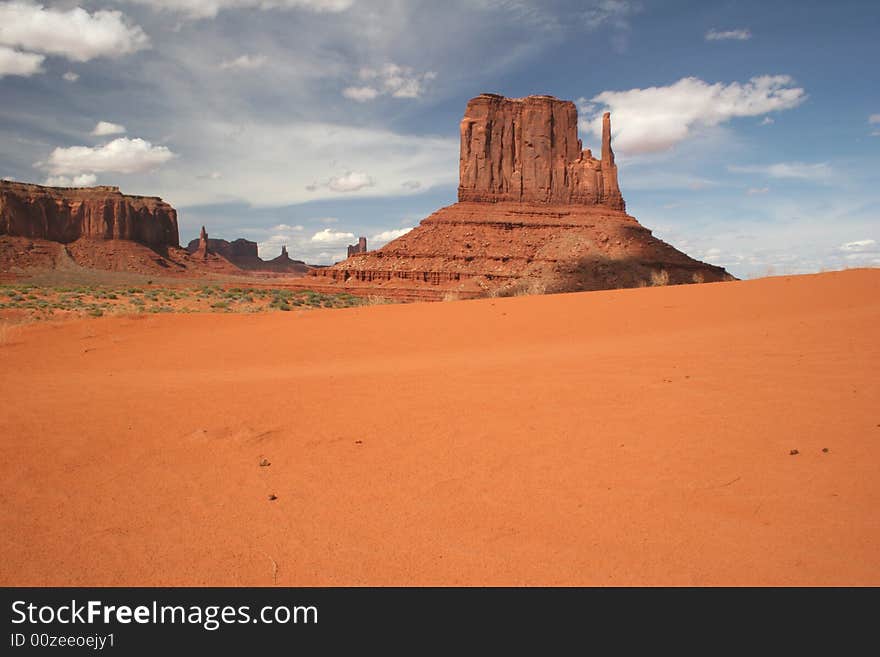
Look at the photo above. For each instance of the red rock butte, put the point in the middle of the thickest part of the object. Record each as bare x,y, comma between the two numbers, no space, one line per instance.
536,212
66,214
527,150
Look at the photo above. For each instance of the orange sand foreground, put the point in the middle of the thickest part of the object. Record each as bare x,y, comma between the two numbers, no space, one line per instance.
622,437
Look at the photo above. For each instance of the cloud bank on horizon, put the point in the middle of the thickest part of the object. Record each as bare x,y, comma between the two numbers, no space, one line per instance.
251,115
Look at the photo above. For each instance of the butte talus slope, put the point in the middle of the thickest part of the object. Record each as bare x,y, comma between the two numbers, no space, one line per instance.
535,213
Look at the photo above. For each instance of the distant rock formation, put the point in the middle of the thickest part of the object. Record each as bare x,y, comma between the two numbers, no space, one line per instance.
284,264
360,247
80,228
244,255
536,213
66,214
239,252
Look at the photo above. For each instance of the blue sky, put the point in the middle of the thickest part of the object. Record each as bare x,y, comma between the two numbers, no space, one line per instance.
747,133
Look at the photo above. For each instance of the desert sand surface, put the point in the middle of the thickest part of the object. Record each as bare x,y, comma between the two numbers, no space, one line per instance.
626,437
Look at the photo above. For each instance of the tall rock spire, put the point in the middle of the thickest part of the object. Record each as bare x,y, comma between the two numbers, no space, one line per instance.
202,251
610,189
607,153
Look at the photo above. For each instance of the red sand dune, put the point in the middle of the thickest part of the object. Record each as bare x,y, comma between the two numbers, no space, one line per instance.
623,437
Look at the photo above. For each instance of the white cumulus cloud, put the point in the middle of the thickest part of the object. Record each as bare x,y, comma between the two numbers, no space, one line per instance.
743,34
74,34
352,181
390,79
658,118
196,9
24,64
122,155
83,180
387,235
330,236
105,128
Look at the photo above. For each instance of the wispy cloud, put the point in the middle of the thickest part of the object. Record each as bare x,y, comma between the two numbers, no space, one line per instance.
742,34
244,63
793,170
860,246
613,14
199,9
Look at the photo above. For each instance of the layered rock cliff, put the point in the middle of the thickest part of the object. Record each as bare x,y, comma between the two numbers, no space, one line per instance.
61,214
536,213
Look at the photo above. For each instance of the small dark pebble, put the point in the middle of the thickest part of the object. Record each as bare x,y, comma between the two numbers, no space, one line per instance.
273,497
825,449
264,463
793,452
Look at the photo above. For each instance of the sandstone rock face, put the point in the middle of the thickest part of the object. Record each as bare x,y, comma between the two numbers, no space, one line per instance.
536,213
65,215
527,150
